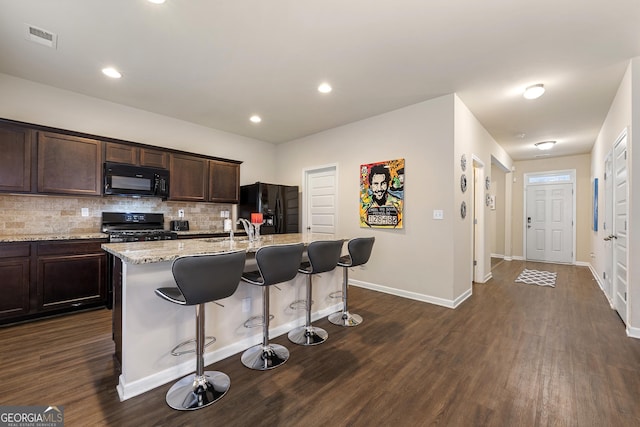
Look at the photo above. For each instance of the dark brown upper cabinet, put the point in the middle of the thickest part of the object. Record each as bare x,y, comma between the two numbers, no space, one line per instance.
188,177
224,182
69,164
139,156
15,162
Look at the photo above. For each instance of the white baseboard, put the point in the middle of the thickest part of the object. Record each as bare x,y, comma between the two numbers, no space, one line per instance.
127,390
595,275
413,295
633,332
497,256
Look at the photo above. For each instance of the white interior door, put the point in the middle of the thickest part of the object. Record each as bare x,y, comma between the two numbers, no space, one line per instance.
549,222
607,226
320,195
620,226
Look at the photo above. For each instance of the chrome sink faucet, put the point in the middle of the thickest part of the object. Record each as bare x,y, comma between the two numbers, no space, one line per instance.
247,227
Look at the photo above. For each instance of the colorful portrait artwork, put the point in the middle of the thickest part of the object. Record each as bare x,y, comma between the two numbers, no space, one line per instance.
382,194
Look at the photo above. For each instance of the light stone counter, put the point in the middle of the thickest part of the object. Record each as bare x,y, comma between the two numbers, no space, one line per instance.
168,250
152,326
7,238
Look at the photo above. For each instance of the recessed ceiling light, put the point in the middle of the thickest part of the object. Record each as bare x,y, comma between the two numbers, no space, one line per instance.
544,145
325,88
111,72
255,119
534,91
156,1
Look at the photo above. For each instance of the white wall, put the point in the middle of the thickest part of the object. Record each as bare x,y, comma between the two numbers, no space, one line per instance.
475,142
428,259
618,118
26,101
417,259
624,113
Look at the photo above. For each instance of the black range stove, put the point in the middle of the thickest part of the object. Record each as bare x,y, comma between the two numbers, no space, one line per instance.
135,227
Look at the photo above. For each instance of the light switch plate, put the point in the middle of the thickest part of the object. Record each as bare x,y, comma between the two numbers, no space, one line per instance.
84,211
438,214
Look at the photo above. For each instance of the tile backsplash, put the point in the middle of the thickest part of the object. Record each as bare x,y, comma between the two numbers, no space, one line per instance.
38,214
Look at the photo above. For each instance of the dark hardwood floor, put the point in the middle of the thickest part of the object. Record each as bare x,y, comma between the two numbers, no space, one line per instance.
512,355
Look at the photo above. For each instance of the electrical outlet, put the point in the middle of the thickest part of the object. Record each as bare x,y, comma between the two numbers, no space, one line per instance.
180,213
246,305
84,211
438,214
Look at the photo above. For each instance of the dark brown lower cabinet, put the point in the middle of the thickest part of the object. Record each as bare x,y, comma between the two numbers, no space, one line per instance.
53,277
15,267
70,274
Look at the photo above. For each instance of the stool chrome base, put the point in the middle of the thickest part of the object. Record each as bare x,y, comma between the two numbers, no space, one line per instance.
344,318
262,357
195,392
308,335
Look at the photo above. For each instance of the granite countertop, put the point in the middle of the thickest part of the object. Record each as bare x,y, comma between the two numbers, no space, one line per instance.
206,232
7,238
168,250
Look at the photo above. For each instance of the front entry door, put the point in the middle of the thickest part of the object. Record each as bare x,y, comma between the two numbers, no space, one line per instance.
549,223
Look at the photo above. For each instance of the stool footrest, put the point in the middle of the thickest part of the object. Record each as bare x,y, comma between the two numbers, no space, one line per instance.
255,321
175,352
336,295
299,304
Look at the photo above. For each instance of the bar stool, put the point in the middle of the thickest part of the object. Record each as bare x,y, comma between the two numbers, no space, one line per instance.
359,253
202,279
323,256
276,264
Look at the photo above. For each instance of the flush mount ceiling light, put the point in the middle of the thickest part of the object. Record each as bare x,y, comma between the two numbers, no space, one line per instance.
255,119
156,1
111,72
534,91
324,88
544,145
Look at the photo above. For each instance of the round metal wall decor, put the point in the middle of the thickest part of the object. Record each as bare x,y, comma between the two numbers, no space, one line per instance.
463,210
487,183
463,183
463,163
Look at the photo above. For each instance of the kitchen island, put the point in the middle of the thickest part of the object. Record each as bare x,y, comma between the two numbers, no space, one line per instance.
146,327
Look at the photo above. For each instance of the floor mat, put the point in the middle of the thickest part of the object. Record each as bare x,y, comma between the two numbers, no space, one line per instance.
537,277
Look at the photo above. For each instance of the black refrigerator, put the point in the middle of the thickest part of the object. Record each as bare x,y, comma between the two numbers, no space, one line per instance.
277,203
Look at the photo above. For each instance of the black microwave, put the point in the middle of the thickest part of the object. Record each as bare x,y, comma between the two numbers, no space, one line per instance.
129,180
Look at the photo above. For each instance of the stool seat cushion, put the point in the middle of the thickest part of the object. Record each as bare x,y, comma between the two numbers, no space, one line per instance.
172,295
253,277
344,261
305,268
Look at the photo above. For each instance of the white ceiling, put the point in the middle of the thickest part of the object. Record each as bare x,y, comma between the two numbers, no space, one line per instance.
216,63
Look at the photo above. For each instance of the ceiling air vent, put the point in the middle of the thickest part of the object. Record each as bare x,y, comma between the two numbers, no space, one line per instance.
41,36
